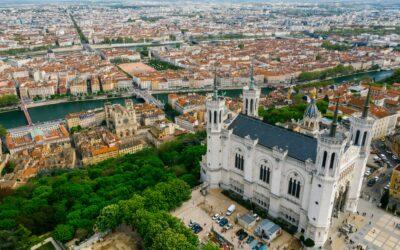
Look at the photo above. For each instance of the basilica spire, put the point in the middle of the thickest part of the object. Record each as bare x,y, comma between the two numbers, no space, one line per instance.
252,84
215,94
366,105
332,132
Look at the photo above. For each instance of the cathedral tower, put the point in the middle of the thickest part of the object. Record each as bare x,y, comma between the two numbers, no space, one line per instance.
251,97
361,129
331,146
215,111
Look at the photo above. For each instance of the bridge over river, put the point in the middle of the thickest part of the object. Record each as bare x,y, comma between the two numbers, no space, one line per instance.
17,118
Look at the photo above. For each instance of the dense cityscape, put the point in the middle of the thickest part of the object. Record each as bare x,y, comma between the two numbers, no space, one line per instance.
200,125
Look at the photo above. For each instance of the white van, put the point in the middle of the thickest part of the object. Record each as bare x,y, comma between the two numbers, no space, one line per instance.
231,209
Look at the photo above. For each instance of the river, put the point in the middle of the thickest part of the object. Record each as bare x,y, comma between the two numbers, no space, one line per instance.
58,111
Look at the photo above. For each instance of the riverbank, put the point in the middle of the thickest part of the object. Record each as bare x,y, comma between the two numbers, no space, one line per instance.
43,112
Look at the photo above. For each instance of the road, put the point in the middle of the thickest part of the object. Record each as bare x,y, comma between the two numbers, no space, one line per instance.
375,192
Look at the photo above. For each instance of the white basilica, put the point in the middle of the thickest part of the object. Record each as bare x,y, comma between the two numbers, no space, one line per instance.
304,179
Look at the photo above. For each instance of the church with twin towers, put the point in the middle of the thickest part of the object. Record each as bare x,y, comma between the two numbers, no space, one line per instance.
303,178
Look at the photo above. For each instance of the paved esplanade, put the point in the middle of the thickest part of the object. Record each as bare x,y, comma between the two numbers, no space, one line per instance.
381,233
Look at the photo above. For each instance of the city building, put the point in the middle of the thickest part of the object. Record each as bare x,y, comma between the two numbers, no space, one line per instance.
301,179
121,120
148,114
160,132
23,138
394,188
187,103
30,161
86,119
98,144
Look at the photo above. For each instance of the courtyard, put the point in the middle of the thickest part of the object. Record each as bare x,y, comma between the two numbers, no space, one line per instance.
381,233
200,209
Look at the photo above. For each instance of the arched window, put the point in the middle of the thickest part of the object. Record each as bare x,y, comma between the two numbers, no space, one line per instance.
324,159
357,137
239,161
332,161
247,106
215,117
251,106
220,116
364,138
294,188
265,173
209,117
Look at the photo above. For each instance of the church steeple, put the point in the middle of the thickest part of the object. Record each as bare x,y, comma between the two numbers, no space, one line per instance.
252,84
215,93
332,132
251,96
366,105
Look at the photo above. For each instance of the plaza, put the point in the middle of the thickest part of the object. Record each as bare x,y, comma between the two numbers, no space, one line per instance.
381,233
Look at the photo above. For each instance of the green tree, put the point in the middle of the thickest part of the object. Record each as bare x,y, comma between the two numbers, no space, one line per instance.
110,217
210,246
171,240
129,207
63,233
8,100
322,106
3,131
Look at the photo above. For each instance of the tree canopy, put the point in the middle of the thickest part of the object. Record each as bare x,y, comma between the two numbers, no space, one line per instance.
323,74
69,203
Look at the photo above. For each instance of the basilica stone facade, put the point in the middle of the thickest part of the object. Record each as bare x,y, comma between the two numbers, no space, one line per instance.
303,178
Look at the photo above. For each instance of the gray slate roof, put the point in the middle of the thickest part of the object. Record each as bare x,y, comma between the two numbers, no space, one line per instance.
299,146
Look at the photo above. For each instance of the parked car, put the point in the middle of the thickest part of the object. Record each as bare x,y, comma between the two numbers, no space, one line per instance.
387,187
367,173
219,219
394,157
243,235
238,232
228,226
215,217
196,228
223,222
256,217
230,209
250,239
371,182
